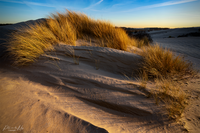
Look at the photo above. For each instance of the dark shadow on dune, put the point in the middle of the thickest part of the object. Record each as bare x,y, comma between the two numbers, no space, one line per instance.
101,85
117,107
132,115
89,127
4,37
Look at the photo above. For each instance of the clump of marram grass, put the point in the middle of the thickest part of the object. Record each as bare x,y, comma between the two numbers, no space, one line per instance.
28,44
62,29
160,62
142,38
142,42
169,92
104,32
165,68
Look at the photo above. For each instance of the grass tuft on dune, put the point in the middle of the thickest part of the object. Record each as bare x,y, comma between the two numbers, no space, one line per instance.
160,62
96,29
165,68
174,98
29,43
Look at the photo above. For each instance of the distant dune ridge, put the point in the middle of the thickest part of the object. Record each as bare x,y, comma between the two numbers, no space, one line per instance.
71,73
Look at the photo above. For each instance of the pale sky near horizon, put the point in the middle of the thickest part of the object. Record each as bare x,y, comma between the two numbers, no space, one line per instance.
126,13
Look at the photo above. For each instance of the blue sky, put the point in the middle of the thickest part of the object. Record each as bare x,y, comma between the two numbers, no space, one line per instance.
127,13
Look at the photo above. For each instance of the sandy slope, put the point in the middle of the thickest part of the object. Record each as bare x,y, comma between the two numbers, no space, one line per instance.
191,115
96,92
90,84
190,48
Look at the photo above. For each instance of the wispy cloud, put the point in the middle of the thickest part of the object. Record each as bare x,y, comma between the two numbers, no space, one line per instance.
169,3
29,3
99,2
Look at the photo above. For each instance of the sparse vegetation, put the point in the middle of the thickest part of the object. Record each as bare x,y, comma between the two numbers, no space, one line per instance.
143,42
142,38
165,69
169,92
193,34
171,37
143,35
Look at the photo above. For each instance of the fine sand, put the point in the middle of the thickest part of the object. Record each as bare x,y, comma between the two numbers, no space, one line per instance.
86,88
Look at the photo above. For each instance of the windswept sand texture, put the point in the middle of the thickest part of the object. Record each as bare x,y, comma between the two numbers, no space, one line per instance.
190,48
85,88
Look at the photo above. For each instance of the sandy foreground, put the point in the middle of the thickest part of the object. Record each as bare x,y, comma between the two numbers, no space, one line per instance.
79,88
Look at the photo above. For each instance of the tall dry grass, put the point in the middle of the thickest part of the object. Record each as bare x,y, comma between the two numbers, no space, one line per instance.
29,43
160,62
102,31
165,68
170,92
62,29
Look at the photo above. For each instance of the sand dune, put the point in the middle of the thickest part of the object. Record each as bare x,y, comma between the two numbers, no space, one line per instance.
83,88
102,97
